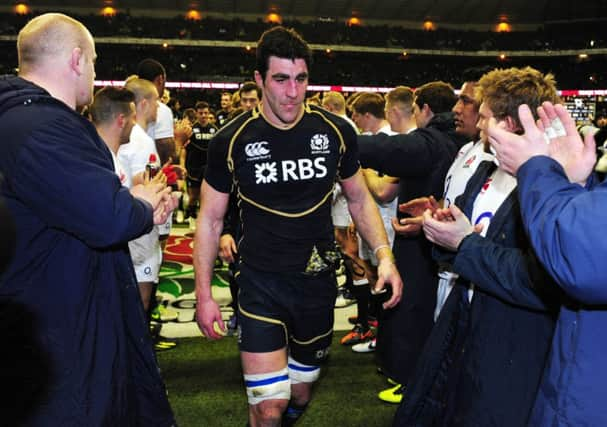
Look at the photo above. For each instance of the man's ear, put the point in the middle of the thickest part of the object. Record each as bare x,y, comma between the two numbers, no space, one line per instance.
158,81
427,112
511,125
76,60
120,121
258,78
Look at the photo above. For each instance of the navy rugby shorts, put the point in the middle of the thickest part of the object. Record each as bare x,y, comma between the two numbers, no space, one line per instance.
286,308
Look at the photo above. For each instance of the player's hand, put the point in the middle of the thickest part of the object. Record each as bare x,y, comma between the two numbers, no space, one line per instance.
576,155
387,275
408,227
153,193
166,206
417,207
208,318
227,248
182,131
448,227
554,134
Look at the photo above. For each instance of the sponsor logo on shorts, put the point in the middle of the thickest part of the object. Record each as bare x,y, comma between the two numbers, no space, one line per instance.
322,353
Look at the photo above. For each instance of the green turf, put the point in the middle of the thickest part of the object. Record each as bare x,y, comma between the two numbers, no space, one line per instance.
205,387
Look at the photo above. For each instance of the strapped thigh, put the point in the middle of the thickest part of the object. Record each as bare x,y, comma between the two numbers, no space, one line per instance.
300,373
271,385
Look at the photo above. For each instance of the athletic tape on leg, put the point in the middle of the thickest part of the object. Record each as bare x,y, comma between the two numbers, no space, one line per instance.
272,385
300,373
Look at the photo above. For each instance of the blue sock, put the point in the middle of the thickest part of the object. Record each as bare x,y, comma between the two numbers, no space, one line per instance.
292,414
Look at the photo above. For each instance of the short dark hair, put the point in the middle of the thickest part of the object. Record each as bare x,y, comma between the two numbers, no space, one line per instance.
201,105
149,69
474,74
370,102
282,43
190,114
250,86
109,102
439,96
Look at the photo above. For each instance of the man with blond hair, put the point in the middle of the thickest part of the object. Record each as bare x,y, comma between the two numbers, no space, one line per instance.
399,109
491,340
336,103
71,270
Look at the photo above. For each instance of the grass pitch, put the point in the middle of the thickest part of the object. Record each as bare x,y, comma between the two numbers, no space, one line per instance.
205,386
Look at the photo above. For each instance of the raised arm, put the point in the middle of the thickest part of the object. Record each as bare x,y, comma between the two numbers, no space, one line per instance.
562,218
565,223
403,155
383,188
77,190
564,145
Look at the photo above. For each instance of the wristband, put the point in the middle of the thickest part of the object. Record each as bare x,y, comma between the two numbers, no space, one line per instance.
377,249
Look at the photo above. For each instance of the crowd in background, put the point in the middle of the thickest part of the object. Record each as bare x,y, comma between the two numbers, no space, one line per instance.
329,31
189,63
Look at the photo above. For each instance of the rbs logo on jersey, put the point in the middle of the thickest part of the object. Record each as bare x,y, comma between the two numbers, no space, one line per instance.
290,170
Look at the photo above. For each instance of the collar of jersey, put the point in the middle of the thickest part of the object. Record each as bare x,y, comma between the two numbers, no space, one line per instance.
305,109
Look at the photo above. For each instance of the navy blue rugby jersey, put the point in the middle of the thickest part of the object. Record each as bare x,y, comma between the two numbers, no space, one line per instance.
196,150
284,180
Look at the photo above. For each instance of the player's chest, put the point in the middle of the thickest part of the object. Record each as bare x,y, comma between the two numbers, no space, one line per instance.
285,157
203,133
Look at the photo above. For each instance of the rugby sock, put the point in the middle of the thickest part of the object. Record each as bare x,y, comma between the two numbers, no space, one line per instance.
292,414
233,292
153,303
363,296
348,273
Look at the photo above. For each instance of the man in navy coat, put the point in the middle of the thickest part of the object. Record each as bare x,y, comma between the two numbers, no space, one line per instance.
71,272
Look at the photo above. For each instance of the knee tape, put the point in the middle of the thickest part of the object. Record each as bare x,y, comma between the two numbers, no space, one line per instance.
300,373
273,385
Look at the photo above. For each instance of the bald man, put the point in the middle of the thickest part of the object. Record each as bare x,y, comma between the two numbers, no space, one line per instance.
71,270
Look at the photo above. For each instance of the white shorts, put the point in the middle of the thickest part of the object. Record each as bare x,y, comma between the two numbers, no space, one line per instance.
387,212
339,209
446,281
165,229
146,255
